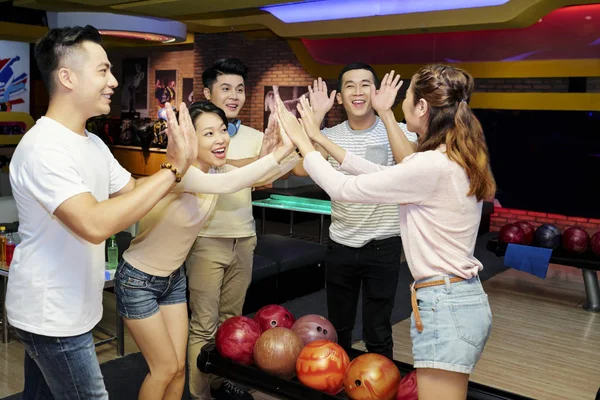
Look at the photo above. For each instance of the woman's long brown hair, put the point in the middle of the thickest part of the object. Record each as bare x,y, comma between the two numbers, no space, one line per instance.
447,91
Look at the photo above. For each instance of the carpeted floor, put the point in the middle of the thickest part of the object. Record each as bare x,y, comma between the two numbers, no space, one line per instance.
124,376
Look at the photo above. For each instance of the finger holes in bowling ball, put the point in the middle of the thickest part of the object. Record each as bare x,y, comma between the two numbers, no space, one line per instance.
357,383
325,331
273,323
319,329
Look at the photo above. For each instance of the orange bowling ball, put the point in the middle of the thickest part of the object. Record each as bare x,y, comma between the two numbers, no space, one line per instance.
372,377
321,365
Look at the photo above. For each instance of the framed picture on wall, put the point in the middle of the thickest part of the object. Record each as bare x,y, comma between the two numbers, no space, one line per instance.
188,90
164,87
290,95
14,76
134,96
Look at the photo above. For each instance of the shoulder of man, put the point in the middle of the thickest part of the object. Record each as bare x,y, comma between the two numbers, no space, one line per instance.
250,132
333,130
410,135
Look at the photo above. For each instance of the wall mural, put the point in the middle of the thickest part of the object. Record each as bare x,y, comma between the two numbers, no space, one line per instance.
14,76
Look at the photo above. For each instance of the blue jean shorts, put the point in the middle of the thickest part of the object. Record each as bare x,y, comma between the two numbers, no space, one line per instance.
139,294
457,322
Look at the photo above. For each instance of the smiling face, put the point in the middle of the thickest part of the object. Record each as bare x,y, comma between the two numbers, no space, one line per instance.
213,141
355,95
228,93
90,78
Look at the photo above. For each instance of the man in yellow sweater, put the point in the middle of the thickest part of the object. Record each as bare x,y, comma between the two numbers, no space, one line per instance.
219,265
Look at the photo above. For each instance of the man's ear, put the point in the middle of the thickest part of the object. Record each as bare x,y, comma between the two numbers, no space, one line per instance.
67,78
338,97
206,92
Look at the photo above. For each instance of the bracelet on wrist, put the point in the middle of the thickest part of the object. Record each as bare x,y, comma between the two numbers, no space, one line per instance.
171,167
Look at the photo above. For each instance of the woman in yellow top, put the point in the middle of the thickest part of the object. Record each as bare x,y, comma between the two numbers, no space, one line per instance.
150,281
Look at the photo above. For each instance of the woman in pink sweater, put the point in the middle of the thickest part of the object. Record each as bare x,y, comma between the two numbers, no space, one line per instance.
439,189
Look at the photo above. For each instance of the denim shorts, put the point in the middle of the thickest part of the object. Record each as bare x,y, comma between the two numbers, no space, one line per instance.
139,294
457,322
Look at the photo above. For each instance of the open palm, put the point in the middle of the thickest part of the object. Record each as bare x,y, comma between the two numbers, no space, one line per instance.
384,98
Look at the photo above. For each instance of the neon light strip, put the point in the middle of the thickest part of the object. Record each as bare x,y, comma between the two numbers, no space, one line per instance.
326,10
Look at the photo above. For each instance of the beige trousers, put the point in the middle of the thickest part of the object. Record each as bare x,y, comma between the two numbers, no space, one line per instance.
219,271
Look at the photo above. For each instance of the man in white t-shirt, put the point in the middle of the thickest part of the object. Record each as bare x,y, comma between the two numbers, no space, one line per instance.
365,247
62,177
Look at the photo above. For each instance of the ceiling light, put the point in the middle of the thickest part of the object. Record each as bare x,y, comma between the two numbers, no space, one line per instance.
124,26
341,9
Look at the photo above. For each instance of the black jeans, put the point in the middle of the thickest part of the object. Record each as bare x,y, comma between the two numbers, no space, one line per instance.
376,267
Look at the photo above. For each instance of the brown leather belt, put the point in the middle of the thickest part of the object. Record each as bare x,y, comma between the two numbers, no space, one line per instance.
413,297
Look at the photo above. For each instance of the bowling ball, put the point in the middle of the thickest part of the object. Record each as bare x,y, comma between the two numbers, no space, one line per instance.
527,229
575,239
372,376
274,315
548,236
236,337
407,389
314,327
595,243
511,233
321,365
276,351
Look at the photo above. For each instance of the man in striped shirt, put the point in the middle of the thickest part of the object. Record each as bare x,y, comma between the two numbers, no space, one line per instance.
365,245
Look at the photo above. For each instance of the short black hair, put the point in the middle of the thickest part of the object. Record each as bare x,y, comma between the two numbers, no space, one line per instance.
224,66
58,43
198,108
353,66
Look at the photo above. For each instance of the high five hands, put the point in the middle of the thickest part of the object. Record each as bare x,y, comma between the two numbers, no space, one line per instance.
320,102
299,130
182,146
383,98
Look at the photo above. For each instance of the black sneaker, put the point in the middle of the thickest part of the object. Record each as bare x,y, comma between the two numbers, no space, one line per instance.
229,391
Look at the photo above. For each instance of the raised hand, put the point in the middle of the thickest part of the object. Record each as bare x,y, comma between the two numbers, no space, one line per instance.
384,98
289,123
182,146
309,120
321,103
271,139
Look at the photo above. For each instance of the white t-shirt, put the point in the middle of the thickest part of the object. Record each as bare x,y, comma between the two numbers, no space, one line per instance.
56,278
353,224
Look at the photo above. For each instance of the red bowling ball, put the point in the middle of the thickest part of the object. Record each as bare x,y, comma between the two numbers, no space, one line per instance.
273,316
595,243
236,338
511,233
313,327
407,389
527,229
575,239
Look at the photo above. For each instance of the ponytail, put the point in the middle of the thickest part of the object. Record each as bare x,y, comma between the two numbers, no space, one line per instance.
465,145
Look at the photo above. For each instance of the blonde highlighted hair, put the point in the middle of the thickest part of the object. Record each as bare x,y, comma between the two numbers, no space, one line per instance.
447,91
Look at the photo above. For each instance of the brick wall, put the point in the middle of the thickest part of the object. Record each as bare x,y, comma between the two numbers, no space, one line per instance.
270,62
503,216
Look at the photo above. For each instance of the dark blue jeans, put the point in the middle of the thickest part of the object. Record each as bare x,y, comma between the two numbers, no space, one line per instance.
61,367
375,267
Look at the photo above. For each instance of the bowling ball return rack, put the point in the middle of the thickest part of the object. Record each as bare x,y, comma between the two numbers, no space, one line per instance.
587,262
211,362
